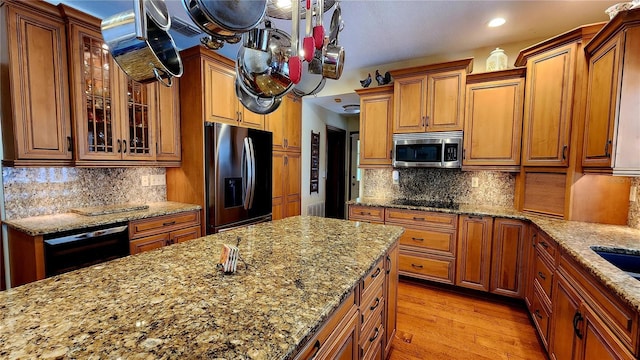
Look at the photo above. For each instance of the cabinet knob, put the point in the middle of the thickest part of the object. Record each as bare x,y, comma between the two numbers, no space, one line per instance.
541,275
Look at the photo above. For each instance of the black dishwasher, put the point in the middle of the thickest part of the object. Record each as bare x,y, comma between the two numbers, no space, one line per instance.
76,249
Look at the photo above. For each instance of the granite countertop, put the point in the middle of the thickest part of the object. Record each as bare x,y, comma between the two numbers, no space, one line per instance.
575,237
173,303
48,224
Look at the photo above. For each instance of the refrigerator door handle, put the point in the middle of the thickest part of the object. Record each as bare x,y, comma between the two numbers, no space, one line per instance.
246,173
252,172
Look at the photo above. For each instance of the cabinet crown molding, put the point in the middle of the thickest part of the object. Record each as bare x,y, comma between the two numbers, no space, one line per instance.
620,22
466,64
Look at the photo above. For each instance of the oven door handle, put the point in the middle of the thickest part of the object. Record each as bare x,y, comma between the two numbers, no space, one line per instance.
86,235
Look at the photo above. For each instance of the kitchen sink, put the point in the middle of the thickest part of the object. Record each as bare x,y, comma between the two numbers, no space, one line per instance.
625,260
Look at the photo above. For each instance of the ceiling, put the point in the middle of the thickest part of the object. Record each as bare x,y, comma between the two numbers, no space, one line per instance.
380,32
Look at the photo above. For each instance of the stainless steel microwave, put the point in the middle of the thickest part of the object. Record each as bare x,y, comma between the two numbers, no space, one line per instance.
435,149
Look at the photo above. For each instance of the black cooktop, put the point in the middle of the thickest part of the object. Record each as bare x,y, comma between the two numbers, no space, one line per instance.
446,204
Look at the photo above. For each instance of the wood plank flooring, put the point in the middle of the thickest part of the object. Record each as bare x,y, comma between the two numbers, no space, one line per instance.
441,323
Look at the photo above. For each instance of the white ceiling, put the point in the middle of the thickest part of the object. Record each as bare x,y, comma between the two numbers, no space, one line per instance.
379,32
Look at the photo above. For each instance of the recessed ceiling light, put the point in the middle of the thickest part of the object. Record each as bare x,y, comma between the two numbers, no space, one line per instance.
497,22
351,108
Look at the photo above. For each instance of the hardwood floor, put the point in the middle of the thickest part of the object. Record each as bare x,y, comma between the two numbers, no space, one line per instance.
442,323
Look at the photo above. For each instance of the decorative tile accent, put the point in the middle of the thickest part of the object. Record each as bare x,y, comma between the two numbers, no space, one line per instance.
634,206
495,188
46,191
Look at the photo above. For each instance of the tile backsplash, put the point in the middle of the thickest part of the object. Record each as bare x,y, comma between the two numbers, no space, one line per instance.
46,191
494,188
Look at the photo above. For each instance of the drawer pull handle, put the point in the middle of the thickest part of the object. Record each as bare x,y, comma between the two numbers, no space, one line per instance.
316,346
417,239
417,266
544,244
375,274
537,313
365,213
418,218
576,319
389,264
374,306
169,223
542,276
375,336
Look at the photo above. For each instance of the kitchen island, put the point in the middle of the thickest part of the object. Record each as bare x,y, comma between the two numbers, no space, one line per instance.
174,302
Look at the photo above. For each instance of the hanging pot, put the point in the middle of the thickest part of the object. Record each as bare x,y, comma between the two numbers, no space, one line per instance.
142,49
265,74
225,20
312,81
255,104
333,54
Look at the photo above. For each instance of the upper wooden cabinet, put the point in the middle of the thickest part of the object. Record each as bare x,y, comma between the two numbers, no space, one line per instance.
36,119
168,130
554,98
493,119
376,111
285,123
219,93
430,98
612,128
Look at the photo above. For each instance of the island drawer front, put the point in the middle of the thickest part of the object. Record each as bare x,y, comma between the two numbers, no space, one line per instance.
617,315
421,218
316,343
428,267
371,304
540,315
546,245
165,223
372,334
366,213
434,241
373,279
543,274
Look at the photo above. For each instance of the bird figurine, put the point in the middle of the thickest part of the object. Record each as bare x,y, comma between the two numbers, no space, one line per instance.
383,80
366,82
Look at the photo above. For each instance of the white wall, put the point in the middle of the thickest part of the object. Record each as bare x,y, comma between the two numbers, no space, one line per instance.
316,118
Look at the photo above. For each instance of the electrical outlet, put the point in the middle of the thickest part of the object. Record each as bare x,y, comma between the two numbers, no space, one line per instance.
157,180
144,180
632,193
475,182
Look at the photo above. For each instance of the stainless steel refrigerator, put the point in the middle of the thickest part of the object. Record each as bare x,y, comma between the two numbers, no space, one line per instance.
238,176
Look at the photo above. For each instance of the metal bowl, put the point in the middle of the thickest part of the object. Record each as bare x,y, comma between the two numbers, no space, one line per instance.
255,104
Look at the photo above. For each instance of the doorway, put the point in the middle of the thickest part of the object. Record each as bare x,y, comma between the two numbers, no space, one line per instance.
335,184
354,172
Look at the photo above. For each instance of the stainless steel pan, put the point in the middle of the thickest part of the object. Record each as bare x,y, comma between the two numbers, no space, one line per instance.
255,104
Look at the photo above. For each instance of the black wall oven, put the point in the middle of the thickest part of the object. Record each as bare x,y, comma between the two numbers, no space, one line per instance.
76,249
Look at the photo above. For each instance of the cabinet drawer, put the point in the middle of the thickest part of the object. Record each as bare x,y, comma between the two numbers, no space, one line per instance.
421,218
441,241
149,243
371,304
429,267
540,316
165,223
187,234
373,279
372,334
312,347
366,213
546,245
543,274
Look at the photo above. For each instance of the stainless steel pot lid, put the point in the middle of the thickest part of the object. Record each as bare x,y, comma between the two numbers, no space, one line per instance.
234,16
157,11
280,12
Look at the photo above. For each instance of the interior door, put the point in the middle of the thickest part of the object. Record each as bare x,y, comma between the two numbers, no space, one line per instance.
354,174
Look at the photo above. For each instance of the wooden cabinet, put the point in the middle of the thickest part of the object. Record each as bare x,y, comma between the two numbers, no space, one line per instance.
370,214
36,118
493,120
219,95
153,233
391,296
168,142
2,282
428,245
611,126
286,195
473,263
508,258
285,123
430,98
376,113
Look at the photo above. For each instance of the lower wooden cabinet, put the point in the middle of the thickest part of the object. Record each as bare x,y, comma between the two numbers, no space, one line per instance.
153,233
286,193
508,258
343,345
370,214
391,297
473,263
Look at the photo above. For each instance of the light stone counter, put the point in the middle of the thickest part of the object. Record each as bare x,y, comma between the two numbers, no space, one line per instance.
173,303
576,238
49,224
